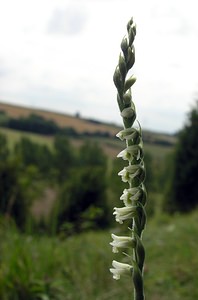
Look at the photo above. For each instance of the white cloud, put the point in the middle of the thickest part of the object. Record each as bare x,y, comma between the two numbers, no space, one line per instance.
68,20
71,70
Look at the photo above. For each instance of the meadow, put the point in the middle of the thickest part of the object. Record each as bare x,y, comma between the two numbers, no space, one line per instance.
77,267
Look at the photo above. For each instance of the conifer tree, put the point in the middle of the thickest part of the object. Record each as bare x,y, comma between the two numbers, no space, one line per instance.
184,188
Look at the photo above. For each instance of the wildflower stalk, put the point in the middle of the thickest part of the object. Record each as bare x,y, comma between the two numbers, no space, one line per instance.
133,197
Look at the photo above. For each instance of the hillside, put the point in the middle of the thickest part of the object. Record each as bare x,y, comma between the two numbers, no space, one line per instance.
81,125
61,119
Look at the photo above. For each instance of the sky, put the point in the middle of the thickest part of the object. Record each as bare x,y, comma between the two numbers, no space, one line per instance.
60,55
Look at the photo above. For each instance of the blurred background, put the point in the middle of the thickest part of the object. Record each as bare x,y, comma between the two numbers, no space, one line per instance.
58,165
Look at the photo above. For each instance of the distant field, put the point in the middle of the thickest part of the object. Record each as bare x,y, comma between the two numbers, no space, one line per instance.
81,125
14,136
111,146
158,144
63,120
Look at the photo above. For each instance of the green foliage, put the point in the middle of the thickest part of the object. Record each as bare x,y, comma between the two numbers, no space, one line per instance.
91,154
13,199
28,270
39,164
83,200
4,150
4,119
64,157
19,181
79,177
33,123
150,183
148,160
183,190
76,267
31,153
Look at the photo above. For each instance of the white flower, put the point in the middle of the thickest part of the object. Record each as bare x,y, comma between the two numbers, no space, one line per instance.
126,197
120,269
125,174
121,242
133,194
131,153
131,172
124,213
129,134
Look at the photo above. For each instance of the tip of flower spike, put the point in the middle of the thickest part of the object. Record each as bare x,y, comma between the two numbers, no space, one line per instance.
130,23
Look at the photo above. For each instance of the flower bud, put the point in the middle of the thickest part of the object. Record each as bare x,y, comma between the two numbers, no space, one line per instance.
127,98
129,24
131,35
128,113
122,66
129,82
117,78
130,58
124,45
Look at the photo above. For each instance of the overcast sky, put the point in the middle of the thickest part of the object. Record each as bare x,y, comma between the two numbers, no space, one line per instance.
61,54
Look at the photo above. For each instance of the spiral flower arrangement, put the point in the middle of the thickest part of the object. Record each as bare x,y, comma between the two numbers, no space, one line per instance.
133,197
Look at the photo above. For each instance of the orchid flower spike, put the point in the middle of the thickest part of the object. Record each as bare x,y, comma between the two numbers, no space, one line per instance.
134,196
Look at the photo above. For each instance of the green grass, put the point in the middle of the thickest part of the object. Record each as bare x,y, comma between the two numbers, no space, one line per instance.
76,267
172,258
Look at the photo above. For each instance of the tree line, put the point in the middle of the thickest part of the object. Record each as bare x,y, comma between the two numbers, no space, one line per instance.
38,124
